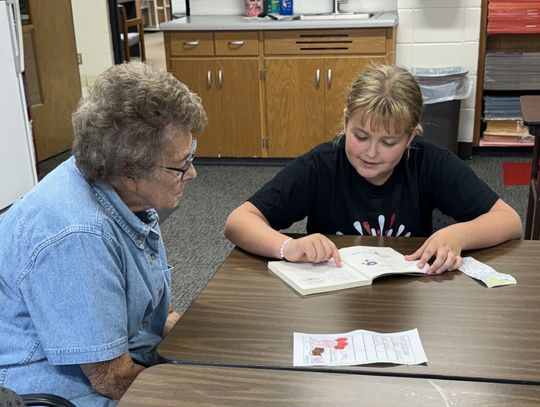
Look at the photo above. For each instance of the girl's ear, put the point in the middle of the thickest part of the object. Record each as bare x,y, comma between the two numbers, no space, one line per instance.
417,130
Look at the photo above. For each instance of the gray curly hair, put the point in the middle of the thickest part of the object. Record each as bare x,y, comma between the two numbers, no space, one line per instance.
122,126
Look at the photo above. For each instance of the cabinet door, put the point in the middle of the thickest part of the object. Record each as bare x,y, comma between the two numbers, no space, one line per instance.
198,74
339,75
238,115
55,56
294,105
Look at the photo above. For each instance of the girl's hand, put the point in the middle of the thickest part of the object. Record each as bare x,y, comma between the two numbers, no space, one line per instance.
315,248
445,247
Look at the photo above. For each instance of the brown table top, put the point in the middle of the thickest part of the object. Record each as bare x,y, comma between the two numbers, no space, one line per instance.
191,385
247,316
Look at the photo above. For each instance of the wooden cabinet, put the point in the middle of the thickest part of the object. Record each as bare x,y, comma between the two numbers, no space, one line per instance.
294,105
306,90
224,70
305,98
273,93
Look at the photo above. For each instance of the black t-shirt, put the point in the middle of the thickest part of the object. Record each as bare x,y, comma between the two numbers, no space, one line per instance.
325,187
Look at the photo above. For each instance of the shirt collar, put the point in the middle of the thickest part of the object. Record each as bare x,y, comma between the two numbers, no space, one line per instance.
132,224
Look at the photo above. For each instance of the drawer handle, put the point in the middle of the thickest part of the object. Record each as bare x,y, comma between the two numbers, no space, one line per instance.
220,78
237,43
209,79
329,78
318,78
193,43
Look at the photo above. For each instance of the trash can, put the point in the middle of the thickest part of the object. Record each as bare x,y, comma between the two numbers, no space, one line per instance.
442,91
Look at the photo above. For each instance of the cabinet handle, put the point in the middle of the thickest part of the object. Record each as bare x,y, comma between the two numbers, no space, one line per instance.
329,78
220,78
236,43
209,79
193,43
318,78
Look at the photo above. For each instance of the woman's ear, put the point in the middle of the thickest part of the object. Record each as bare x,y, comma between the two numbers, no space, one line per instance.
129,183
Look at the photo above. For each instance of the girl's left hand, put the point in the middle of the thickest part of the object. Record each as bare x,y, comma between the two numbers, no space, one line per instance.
445,247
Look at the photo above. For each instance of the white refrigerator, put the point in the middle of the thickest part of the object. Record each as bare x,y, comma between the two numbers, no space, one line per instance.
17,157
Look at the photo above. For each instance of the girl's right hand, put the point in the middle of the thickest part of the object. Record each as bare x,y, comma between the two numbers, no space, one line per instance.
315,248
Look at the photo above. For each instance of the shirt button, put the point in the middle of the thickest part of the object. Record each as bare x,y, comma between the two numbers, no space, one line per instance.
153,256
160,292
145,323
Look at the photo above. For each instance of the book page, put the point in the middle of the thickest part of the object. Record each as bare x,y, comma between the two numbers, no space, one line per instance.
377,261
308,278
358,348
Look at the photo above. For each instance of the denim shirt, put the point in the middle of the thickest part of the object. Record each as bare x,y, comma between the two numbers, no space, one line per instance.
82,279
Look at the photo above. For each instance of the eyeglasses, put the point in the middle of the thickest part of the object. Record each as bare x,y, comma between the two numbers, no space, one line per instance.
185,168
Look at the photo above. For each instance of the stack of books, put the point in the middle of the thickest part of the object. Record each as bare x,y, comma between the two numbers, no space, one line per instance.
502,115
512,71
513,17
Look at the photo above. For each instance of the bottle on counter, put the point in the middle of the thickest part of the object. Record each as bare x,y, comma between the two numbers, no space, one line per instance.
271,6
286,7
252,8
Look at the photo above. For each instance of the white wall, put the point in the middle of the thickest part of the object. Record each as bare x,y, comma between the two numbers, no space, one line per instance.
437,33
93,38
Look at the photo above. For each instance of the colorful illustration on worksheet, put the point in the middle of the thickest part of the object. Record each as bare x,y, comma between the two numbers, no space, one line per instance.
327,351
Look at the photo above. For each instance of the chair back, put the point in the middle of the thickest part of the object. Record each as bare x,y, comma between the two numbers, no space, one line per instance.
9,398
128,38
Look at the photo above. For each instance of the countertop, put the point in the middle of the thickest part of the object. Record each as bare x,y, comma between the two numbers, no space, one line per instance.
220,23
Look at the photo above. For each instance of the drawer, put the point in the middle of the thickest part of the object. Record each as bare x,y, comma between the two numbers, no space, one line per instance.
237,42
192,43
349,41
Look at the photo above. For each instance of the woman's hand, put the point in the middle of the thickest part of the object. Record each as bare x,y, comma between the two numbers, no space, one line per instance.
445,246
314,248
172,319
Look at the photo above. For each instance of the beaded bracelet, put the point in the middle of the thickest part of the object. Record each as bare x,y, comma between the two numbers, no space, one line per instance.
282,248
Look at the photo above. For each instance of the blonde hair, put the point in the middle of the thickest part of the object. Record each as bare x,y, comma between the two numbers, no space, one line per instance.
390,96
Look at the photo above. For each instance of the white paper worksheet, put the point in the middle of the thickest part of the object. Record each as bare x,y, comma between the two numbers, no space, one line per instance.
358,348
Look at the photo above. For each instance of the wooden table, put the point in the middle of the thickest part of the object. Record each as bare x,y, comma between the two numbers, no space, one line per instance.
247,316
190,385
530,110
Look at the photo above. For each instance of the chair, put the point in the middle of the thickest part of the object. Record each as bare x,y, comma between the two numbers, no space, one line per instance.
128,38
11,399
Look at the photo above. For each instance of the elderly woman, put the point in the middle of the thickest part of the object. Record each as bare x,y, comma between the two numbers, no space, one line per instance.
84,281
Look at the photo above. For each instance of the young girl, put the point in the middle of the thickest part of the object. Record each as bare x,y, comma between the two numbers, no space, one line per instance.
376,178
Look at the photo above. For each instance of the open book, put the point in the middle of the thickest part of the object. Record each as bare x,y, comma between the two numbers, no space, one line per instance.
361,265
